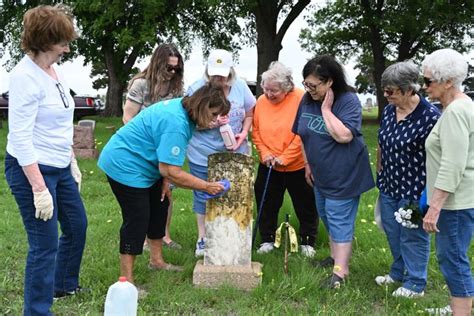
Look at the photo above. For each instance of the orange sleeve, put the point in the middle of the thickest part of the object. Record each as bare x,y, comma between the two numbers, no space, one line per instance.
293,152
262,150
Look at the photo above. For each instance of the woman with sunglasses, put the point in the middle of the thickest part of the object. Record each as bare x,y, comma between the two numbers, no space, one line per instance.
329,121
450,175
40,167
406,122
161,80
280,149
220,72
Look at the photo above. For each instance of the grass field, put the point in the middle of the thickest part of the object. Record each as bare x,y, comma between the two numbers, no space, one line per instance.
173,293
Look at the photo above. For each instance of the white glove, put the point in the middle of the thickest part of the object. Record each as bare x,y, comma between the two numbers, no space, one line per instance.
76,173
44,204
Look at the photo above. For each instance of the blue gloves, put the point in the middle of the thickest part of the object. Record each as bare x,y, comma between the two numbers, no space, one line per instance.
423,203
226,185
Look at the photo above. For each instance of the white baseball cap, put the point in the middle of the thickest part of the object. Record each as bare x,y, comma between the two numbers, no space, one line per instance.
219,63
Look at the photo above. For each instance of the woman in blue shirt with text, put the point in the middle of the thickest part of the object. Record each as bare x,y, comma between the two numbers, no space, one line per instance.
329,122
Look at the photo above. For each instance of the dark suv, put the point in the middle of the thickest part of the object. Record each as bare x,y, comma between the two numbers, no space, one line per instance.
83,105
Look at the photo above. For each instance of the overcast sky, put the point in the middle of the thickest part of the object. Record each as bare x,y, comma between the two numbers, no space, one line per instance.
291,55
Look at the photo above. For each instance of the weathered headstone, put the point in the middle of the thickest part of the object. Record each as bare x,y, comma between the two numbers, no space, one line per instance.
227,258
84,142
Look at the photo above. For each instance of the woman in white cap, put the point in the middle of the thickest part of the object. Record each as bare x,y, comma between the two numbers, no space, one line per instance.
220,71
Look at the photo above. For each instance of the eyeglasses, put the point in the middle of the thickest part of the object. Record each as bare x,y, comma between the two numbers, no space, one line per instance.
311,86
428,81
63,95
389,92
175,68
270,91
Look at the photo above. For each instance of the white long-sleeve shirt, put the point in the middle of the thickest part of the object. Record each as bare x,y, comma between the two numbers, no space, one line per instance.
40,125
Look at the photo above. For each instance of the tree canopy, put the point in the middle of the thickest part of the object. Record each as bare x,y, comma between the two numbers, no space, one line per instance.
377,33
114,34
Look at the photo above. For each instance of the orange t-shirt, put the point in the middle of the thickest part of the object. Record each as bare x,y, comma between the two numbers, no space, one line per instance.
271,131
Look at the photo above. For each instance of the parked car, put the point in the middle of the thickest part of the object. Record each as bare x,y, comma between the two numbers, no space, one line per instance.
83,105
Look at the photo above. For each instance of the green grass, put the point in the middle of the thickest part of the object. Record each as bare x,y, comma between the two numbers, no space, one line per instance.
370,114
173,293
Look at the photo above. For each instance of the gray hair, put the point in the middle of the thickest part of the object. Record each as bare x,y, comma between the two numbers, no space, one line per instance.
404,75
446,64
230,78
279,73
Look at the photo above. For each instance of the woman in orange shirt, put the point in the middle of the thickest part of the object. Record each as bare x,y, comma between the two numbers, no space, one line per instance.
279,148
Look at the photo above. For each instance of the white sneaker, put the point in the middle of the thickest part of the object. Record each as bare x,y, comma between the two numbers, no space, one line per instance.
307,251
403,292
440,310
200,247
384,280
266,247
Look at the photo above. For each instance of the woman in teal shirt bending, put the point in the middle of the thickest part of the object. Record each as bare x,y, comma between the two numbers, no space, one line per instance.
141,154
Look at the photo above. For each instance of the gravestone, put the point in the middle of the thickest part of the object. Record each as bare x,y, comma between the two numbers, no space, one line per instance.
227,257
84,141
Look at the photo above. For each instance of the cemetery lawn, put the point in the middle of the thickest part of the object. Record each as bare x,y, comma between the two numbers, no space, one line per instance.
172,293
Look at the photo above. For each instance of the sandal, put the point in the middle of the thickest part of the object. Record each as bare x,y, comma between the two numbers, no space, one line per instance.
172,245
166,267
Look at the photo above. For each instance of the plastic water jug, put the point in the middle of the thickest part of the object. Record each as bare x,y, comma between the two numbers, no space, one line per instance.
228,136
121,299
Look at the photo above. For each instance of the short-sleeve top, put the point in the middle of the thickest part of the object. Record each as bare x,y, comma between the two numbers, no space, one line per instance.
209,141
139,92
450,155
159,133
340,171
402,148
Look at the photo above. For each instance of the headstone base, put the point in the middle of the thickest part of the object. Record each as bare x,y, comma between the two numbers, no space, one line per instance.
241,277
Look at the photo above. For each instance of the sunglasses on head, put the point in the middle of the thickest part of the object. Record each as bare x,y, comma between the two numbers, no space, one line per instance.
428,81
175,68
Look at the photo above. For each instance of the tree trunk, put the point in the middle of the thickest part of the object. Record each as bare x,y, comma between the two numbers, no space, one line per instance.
116,86
377,50
114,98
268,50
268,38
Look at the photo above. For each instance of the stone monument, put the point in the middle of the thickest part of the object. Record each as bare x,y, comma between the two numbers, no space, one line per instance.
227,258
84,141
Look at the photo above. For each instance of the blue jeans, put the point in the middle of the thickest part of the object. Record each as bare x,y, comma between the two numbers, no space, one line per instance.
199,200
410,247
452,245
50,266
338,216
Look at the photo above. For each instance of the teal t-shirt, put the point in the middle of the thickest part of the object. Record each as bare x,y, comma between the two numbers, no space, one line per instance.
159,133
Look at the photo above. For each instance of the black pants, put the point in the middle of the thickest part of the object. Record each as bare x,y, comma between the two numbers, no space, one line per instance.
143,215
301,194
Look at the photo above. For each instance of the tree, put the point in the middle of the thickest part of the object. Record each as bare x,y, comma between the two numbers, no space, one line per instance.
263,16
116,33
377,33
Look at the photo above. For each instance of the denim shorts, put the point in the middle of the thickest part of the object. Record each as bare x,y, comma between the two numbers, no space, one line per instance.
452,246
199,200
338,216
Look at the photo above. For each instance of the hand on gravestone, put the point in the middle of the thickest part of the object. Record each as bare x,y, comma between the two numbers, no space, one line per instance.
225,183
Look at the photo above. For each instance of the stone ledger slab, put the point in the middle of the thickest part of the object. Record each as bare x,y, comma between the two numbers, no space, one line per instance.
244,277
